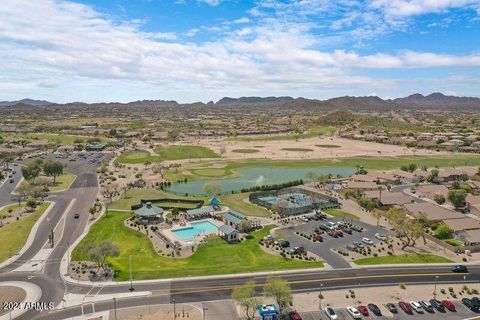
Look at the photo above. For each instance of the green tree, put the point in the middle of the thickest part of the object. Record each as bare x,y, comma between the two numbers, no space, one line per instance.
433,176
443,232
100,253
53,169
457,197
367,203
175,212
211,188
244,296
412,167
31,171
279,290
245,225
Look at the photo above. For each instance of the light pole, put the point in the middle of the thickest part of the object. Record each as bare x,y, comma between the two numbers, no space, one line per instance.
435,288
320,297
174,309
115,306
204,312
131,279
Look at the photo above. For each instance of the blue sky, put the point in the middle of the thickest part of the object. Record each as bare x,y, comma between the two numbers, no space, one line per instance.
201,50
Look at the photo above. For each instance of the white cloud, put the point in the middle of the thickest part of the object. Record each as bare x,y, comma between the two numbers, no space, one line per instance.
399,8
212,3
72,45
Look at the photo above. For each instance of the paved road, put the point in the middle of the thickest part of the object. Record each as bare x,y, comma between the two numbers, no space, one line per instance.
7,188
323,249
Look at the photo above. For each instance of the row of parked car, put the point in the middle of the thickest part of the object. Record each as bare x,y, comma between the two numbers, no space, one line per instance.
408,307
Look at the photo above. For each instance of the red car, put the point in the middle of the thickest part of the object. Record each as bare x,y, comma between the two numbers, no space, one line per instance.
318,238
363,310
293,315
339,233
405,307
448,304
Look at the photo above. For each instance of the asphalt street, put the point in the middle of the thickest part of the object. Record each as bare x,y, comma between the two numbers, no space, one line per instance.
7,188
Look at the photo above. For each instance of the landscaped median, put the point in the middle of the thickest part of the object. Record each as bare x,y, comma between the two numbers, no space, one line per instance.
214,257
402,259
14,235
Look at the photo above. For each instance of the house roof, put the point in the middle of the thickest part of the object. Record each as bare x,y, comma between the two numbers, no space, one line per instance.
234,217
382,176
226,229
473,236
432,212
363,178
214,201
362,185
433,189
472,200
148,210
465,223
200,211
389,198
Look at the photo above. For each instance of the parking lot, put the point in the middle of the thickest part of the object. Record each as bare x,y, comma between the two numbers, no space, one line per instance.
323,249
461,313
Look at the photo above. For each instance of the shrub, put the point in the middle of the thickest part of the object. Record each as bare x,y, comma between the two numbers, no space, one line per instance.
402,286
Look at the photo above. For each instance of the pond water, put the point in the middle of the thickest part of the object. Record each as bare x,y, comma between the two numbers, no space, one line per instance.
250,177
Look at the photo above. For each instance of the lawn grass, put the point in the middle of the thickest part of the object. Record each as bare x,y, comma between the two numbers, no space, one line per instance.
14,235
342,214
328,146
297,149
245,151
235,202
180,152
209,172
137,157
135,195
454,242
214,257
63,182
402,259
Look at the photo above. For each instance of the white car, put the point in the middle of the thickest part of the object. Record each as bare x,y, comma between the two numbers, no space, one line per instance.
380,237
331,314
367,241
416,306
354,312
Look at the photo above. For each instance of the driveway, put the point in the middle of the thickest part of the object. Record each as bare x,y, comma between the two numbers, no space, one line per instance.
324,249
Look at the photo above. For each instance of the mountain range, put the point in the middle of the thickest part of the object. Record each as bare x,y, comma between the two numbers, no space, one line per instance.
434,100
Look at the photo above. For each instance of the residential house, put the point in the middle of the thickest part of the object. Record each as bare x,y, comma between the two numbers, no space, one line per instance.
432,212
432,191
228,233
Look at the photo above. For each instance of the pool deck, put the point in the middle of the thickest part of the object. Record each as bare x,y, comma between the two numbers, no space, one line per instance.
192,241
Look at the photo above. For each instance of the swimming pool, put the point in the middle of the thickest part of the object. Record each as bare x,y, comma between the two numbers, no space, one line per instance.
195,229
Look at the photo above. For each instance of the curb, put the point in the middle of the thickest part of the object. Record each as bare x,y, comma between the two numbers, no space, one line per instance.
30,238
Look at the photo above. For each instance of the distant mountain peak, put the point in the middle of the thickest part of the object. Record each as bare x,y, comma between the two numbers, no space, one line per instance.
26,101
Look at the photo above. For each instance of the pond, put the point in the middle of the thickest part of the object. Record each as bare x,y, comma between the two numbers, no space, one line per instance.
250,177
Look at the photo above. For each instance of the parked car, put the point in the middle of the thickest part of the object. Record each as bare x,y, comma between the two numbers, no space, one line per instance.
284,243
76,216
426,305
11,180
392,308
437,305
363,310
354,227
460,269
358,244
318,238
331,314
375,309
380,237
405,307
294,315
347,230
339,233
354,312
449,305
470,305
416,306
332,233
367,241
305,219
476,301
